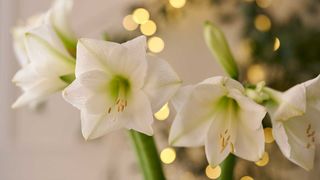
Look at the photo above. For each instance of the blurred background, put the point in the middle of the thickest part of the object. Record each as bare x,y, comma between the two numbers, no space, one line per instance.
277,41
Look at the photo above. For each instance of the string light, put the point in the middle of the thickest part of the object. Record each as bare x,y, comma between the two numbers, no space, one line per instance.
213,173
262,23
128,23
148,28
168,155
256,73
263,3
246,178
155,44
141,15
268,136
177,3
276,44
163,113
264,160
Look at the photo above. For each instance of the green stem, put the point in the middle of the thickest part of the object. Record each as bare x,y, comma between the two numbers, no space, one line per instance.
148,156
227,167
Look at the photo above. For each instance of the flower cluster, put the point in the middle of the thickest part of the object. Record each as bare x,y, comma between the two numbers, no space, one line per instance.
121,86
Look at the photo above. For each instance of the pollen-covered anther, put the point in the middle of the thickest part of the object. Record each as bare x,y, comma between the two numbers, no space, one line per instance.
310,133
225,141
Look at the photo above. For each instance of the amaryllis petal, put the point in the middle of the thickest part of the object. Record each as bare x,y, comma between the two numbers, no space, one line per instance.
161,82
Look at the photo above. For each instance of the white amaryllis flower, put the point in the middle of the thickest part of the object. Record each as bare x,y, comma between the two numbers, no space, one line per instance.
119,85
295,120
50,69
57,17
217,114
43,48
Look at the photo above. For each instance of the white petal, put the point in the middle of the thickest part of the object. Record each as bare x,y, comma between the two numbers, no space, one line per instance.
97,125
313,93
192,122
291,103
39,91
161,82
180,98
99,103
76,94
95,80
224,81
138,114
251,114
113,58
249,144
222,127
25,77
60,20
46,51
300,154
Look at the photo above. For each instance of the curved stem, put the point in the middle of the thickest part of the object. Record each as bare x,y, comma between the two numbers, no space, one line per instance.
227,167
148,156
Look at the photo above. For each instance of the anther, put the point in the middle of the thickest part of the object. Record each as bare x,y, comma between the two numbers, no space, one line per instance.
109,110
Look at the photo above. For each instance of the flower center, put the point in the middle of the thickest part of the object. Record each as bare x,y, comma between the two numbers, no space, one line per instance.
119,89
310,133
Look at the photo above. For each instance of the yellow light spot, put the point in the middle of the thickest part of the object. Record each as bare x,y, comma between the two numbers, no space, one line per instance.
213,173
268,136
256,73
128,23
141,15
163,113
262,23
276,45
264,160
177,3
247,178
168,155
155,44
148,28
263,3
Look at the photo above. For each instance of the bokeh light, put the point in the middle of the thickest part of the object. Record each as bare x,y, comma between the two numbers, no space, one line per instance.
246,178
213,172
155,44
256,73
141,15
276,44
128,23
168,155
264,160
163,113
262,23
263,3
268,136
148,28
177,3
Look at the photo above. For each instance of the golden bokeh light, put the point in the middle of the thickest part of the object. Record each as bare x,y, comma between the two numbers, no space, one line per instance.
263,3
268,136
163,113
276,44
155,44
264,160
256,73
168,155
128,23
141,15
177,3
213,172
148,28
246,178
262,23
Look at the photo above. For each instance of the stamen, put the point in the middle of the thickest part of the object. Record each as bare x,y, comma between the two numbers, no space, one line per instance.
226,131
232,147
308,145
109,110
309,128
